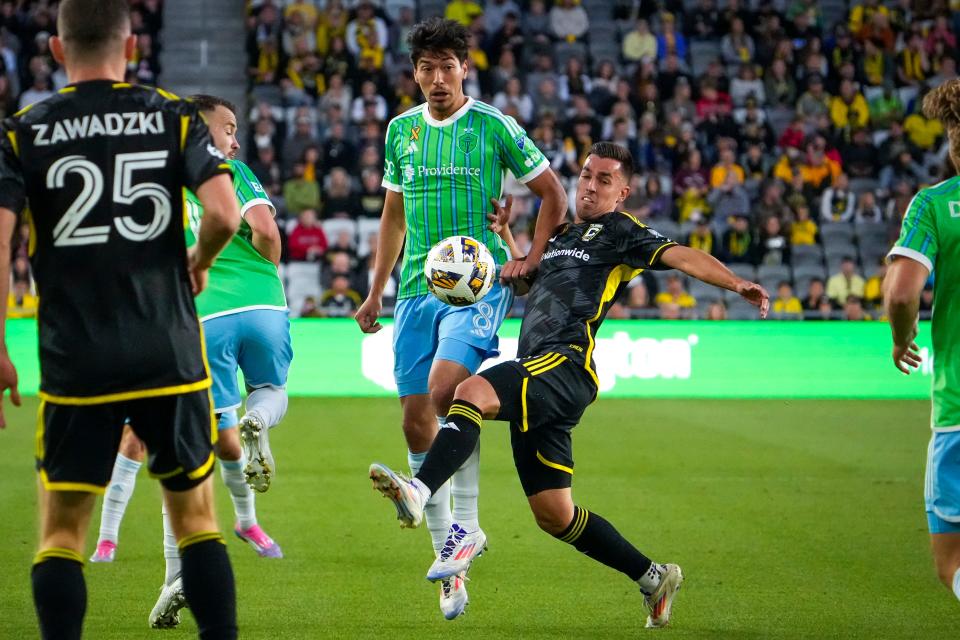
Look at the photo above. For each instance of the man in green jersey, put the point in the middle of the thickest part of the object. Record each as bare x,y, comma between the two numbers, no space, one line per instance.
245,323
444,162
930,243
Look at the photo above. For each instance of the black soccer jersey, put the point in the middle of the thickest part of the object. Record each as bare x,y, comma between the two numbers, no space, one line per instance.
101,167
583,271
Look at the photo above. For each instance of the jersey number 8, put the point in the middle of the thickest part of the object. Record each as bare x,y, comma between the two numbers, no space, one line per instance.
68,231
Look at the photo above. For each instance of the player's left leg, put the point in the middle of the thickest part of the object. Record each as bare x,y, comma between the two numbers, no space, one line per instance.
946,555
115,500
942,499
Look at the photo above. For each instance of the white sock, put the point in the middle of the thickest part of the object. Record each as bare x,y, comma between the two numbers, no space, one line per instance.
171,552
268,404
465,487
651,579
437,510
956,583
240,492
117,497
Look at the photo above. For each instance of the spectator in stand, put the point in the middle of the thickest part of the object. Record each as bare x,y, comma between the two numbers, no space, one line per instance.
299,193
771,204
860,155
691,184
845,283
713,103
309,308
816,295
903,169
886,108
301,138
40,89
338,151
21,303
876,67
367,269
747,84
342,255
702,236
815,101
681,102
639,44
463,11
729,198
873,289
716,311
498,12
267,170
674,293
849,109
896,143
654,202
368,96
307,241
913,64
569,21
339,301
331,24
737,242
367,36
704,21
670,40
736,47
371,193
946,71
799,192
803,230
925,133
753,126
794,134
341,201
574,81
837,204
773,247
514,96
817,168
786,306
853,309
536,26
867,209
861,13
779,88
726,166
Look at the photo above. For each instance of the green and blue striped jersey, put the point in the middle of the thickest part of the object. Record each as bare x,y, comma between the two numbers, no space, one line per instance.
447,171
931,235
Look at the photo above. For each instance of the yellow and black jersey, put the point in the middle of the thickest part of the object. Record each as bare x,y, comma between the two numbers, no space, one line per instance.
101,167
582,272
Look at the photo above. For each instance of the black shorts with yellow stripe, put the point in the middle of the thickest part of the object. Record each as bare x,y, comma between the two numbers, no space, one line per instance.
77,443
543,398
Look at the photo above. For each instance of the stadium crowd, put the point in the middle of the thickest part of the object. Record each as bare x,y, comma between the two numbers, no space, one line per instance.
783,136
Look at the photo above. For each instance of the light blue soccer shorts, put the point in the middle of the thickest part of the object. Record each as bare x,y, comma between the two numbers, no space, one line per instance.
256,341
941,490
426,329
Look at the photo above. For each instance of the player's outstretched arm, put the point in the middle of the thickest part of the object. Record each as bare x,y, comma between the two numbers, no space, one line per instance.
8,373
901,302
704,267
500,225
221,217
266,235
393,226
553,210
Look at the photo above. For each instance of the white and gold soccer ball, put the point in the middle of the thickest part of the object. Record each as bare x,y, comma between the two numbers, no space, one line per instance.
459,270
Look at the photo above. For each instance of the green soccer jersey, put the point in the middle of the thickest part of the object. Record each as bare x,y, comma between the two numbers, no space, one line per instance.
240,279
447,171
931,236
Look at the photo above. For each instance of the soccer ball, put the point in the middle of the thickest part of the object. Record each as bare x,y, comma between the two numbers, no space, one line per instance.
459,270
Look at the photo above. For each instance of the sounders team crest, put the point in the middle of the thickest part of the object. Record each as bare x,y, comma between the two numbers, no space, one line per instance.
468,142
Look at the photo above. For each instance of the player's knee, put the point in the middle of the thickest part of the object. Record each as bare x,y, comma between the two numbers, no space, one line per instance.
442,394
947,566
228,445
552,521
475,391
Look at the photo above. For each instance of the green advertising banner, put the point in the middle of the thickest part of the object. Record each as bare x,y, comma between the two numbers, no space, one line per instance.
635,359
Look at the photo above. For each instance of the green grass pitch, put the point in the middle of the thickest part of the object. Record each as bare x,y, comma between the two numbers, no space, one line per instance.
790,519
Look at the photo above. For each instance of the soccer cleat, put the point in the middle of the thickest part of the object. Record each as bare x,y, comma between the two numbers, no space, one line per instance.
660,602
166,613
106,552
458,552
260,467
260,541
453,597
405,496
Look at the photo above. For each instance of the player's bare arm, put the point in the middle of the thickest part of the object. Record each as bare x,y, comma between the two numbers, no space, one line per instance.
220,221
901,302
553,209
8,373
266,235
393,227
704,267
500,225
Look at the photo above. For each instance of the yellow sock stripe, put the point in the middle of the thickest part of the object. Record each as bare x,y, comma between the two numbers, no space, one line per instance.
460,405
578,524
538,360
196,538
553,465
57,552
472,416
546,368
523,404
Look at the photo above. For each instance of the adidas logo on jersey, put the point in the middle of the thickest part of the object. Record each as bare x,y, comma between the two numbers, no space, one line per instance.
132,123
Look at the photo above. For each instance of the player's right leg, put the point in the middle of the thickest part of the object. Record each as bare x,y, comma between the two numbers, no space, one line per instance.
942,498
115,500
76,447
179,432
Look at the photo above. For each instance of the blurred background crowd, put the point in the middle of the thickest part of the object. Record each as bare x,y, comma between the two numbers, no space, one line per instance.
784,137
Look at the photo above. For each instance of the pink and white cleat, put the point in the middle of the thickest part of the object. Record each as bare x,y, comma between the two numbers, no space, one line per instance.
260,541
106,552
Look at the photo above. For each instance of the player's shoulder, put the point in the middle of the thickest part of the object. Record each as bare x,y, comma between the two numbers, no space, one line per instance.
239,167
948,189
409,114
624,221
493,115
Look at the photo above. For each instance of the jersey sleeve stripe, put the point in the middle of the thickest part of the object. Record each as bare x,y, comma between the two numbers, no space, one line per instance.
393,187
913,254
257,201
656,254
184,128
533,173
13,142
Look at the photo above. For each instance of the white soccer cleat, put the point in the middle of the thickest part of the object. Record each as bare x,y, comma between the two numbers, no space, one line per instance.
106,552
401,491
453,597
260,467
458,553
166,613
660,602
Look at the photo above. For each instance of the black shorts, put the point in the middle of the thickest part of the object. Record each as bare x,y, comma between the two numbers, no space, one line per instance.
77,444
543,398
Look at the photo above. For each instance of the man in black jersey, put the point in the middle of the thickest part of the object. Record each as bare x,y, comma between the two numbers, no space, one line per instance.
544,392
98,170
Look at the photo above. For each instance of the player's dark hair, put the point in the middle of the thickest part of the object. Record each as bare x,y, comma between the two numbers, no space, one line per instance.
438,35
207,103
616,152
89,26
